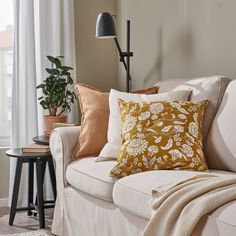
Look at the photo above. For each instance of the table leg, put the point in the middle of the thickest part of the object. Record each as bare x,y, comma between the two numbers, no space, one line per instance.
52,177
40,193
30,186
43,168
15,191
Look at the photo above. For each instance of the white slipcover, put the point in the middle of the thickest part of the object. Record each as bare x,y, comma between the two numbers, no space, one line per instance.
92,177
80,213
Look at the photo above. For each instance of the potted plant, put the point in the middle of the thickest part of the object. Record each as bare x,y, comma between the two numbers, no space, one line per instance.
58,94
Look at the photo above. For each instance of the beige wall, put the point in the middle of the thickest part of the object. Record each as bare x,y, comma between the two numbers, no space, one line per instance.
182,38
4,174
96,58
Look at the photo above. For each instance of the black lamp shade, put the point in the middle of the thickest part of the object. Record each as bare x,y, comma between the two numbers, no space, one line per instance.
105,26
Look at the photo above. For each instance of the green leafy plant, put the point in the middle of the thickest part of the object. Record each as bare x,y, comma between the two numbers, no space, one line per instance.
57,89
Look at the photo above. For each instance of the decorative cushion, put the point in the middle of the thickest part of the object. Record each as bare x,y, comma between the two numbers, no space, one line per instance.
91,177
94,108
160,135
210,88
95,113
111,149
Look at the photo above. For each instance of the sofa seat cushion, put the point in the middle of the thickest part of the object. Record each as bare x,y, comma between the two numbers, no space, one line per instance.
91,177
133,193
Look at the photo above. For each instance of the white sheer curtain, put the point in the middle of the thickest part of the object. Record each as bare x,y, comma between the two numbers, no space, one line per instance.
42,27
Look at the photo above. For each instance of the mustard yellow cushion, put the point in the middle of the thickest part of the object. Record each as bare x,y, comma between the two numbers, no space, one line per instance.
160,135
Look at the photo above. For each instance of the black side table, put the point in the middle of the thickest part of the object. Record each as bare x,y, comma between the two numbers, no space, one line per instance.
40,160
43,139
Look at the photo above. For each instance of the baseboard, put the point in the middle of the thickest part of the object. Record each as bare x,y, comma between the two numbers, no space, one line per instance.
3,202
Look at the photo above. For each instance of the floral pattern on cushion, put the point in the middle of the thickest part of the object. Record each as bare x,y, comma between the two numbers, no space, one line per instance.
160,135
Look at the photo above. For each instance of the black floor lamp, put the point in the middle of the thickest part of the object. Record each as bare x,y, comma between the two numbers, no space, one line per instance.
105,28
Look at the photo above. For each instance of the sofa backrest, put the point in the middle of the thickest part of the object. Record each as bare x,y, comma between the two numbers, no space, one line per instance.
212,89
221,141
204,88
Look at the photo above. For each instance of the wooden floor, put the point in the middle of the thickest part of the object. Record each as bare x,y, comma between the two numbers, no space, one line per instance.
22,222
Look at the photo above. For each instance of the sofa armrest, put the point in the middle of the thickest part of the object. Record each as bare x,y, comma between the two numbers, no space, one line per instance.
63,141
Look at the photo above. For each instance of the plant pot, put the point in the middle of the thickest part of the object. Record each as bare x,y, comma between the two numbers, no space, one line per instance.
50,120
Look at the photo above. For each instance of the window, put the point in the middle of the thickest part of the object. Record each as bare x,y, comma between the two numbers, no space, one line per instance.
6,69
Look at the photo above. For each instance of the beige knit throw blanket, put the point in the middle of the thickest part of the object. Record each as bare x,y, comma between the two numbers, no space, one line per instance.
178,207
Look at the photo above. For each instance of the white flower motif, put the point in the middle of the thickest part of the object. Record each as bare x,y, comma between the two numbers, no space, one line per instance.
152,161
175,104
148,123
153,150
165,158
135,161
168,145
178,107
133,108
156,108
195,117
159,123
140,164
145,162
187,150
144,115
177,138
166,128
126,136
139,128
141,105
182,116
189,138
179,129
192,108
136,146
154,117
158,139
196,161
173,116
192,165
129,123
193,129
175,154
140,135
179,122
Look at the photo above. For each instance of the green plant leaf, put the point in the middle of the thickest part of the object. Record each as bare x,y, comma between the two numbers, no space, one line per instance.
51,59
66,68
70,80
39,86
68,92
52,72
57,62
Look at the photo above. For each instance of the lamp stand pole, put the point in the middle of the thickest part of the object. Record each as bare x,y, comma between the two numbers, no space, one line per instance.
126,55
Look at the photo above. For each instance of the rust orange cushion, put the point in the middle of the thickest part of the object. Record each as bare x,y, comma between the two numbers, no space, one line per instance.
94,106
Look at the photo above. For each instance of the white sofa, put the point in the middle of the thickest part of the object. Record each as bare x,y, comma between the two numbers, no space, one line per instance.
90,203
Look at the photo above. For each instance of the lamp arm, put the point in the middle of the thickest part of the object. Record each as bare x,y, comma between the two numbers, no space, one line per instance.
121,54
126,55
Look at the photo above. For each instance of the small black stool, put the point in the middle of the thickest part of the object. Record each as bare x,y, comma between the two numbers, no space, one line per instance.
40,160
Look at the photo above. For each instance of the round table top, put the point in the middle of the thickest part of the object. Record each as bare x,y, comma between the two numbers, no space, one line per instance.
43,139
17,152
